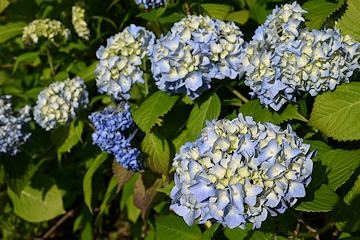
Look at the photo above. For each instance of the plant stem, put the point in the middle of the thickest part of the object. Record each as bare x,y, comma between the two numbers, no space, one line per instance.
235,92
50,62
187,7
108,20
302,234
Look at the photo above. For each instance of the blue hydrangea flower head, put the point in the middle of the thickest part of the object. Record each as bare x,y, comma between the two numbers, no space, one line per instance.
281,60
13,126
195,50
239,171
59,103
119,63
112,125
151,3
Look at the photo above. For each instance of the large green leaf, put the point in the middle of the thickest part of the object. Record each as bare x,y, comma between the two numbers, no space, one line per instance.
324,200
349,22
10,30
260,113
181,139
208,110
157,147
39,201
218,11
174,228
319,11
240,17
87,182
336,168
336,114
155,106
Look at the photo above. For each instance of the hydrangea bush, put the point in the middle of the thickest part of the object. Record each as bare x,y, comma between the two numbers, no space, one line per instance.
179,119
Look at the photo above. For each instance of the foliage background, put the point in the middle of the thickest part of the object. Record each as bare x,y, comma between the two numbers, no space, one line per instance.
62,187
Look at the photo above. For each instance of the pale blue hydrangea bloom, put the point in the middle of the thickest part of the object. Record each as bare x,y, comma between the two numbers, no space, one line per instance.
46,28
119,63
59,103
195,50
13,126
112,125
283,58
79,23
239,171
151,3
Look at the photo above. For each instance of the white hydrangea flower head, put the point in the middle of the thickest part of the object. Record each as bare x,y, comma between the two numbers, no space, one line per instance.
279,66
46,28
13,126
119,63
78,21
196,49
59,103
239,171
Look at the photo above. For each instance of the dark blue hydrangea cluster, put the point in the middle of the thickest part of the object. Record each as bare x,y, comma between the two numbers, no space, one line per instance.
239,171
151,3
285,58
13,126
195,50
111,135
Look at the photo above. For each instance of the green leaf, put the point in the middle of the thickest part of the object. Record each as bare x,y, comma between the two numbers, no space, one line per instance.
349,22
121,174
127,190
336,114
61,76
158,151
155,106
10,30
133,213
258,13
25,57
240,17
108,198
80,45
324,200
39,201
207,235
319,11
167,189
87,182
208,110
322,148
85,220
87,74
218,11
174,228
18,173
172,18
238,233
348,220
3,5
145,191
260,113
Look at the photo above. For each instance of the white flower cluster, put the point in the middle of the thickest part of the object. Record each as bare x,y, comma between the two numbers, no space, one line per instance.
78,21
13,126
283,58
46,28
118,68
195,50
240,171
58,104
